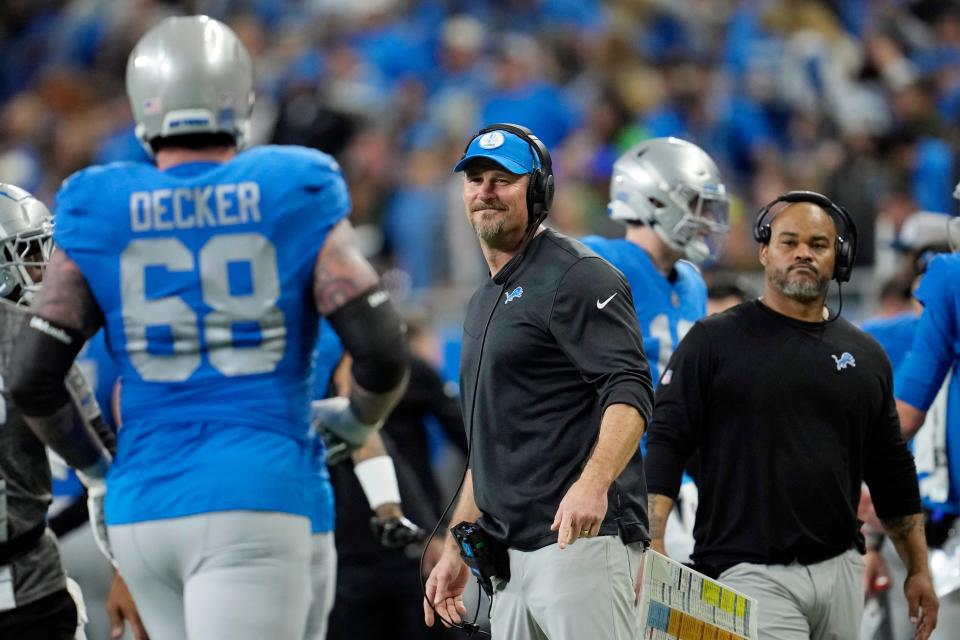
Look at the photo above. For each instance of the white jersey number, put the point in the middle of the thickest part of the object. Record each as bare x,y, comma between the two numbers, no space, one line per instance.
660,330
229,309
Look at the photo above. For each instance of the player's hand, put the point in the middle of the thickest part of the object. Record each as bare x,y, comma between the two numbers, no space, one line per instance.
687,502
334,421
121,608
876,575
337,450
396,532
444,589
96,494
922,602
580,512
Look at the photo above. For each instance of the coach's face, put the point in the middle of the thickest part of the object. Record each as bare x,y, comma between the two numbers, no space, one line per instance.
800,257
495,201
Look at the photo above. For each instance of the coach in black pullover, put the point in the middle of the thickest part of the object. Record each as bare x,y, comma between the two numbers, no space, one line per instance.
790,413
536,375
556,392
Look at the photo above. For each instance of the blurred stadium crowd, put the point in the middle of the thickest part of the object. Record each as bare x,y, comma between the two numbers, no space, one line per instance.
857,99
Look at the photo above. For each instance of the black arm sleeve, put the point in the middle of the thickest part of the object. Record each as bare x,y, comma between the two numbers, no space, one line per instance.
888,467
674,433
603,339
40,363
374,335
42,356
70,517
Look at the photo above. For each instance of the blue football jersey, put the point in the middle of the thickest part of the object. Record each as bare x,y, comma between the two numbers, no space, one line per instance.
666,310
935,352
326,356
203,273
895,334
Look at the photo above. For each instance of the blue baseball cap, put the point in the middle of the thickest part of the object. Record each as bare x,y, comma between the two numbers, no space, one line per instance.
509,150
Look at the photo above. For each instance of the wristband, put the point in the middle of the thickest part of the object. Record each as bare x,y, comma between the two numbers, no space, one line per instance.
378,477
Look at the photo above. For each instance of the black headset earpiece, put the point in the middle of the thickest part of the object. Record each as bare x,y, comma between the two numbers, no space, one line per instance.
540,188
846,242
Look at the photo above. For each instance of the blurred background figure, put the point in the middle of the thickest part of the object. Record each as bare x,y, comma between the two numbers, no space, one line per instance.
923,236
857,100
725,290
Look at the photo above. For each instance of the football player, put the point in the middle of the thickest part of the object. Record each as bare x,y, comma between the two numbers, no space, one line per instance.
927,388
208,271
669,194
36,597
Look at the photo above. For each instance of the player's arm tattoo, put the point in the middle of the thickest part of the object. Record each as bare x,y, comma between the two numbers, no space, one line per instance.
341,273
65,297
658,510
901,528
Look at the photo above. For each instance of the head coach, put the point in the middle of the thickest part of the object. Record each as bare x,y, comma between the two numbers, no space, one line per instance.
556,393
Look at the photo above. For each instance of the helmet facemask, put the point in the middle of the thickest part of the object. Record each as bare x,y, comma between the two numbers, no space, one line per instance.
700,231
673,187
25,256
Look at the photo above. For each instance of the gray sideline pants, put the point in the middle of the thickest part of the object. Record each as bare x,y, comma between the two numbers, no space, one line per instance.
323,577
237,575
584,591
822,601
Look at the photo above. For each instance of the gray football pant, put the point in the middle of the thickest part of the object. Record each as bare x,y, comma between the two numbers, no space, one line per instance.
821,601
587,590
323,577
237,575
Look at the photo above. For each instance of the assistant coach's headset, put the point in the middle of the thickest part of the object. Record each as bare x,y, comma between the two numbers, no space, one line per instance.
845,245
539,190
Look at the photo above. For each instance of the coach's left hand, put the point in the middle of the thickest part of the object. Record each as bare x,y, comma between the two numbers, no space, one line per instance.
922,602
581,511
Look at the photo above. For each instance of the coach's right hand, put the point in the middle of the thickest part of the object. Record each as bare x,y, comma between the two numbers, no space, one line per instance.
445,589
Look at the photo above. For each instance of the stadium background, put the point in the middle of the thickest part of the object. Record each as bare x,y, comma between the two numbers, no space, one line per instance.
858,99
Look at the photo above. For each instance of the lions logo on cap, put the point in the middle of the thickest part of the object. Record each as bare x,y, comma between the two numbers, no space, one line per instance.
491,140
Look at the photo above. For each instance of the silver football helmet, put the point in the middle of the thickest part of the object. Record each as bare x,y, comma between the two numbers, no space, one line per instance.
673,187
190,75
26,238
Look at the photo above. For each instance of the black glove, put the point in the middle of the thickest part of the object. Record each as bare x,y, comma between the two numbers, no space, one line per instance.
396,533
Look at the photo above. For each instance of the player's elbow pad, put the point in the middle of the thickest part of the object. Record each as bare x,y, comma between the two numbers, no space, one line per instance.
374,335
41,357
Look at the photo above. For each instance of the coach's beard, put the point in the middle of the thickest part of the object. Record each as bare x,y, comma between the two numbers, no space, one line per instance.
491,227
800,289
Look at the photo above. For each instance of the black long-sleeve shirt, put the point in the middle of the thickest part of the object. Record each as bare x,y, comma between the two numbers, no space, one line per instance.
543,355
789,417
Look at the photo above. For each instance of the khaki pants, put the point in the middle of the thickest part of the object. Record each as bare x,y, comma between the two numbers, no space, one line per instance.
584,591
822,601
